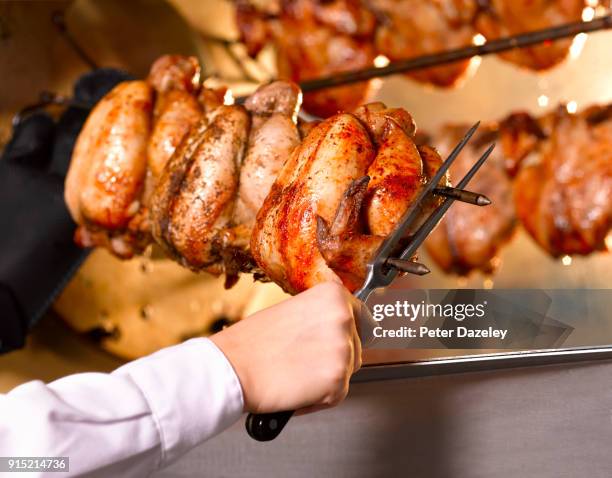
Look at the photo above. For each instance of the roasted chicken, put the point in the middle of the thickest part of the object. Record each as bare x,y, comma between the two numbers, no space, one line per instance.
411,28
563,190
503,18
176,80
340,193
469,238
237,188
204,205
105,181
313,39
122,149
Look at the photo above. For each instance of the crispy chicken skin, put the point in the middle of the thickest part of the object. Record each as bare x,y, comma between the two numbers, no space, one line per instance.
312,39
273,137
107,173
411,28
563,192
321,197
193,200
469,238
510,17
205,203
176,80
520,134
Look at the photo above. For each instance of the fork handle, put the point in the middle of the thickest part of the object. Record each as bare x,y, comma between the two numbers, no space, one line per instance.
267,426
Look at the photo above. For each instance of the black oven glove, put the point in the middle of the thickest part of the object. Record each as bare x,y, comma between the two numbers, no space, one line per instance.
37,253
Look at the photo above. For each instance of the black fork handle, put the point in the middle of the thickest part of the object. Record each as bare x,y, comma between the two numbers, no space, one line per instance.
267,426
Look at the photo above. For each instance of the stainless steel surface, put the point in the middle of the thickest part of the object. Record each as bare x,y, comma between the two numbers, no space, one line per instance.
545,422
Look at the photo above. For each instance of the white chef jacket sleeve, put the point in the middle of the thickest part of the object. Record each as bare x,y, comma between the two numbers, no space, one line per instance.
131,422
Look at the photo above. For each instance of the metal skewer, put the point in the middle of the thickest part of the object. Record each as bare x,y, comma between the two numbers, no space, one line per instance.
60,23
450,56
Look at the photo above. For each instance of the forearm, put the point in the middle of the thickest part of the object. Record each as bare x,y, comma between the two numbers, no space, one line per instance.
131,422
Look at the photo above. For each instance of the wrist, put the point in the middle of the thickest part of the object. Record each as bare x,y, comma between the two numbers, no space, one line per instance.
231,350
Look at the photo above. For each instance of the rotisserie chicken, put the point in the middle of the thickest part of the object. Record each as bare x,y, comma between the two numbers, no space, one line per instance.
338,196
315,39
204,205
122,149
208,184
563,190
469,238
106,178
502,18
411,28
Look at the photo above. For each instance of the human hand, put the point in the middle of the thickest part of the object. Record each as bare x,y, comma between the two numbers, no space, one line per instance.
296,355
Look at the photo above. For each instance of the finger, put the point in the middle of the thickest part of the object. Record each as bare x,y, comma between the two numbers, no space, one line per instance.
364,321
356,351
356,346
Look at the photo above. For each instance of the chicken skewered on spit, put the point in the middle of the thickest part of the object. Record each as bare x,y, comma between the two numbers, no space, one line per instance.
502,18
203,205
310,40
563,188
561,193
410,28
470,238
343,189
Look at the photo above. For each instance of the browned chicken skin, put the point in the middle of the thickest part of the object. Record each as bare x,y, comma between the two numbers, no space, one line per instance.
320,207
122,149
176,80
563,192
107,174
411,28
469,238
510,17
193,199
314,39
204,205
322,196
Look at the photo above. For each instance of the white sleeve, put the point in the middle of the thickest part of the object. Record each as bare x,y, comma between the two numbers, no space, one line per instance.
131,422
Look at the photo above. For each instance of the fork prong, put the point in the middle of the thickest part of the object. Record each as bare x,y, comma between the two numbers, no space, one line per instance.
413,213
455,152
462,195
437,215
